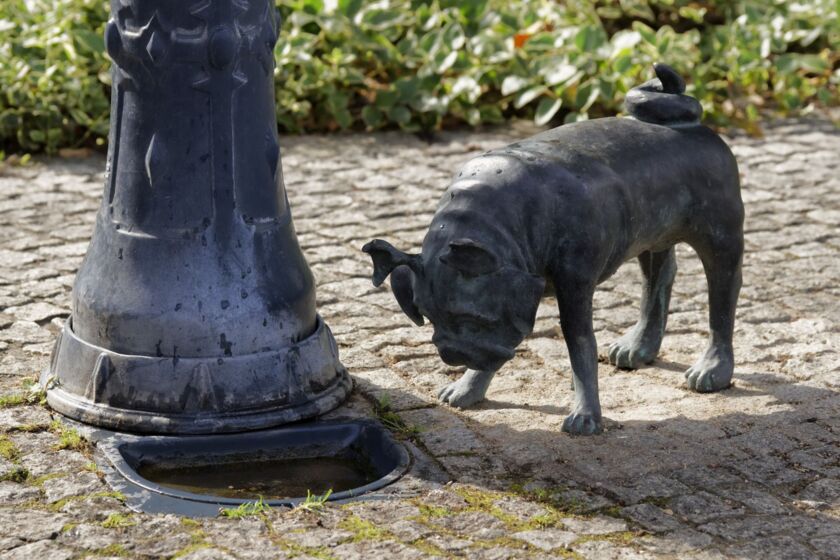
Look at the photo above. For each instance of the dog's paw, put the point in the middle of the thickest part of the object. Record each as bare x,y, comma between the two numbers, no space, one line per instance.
583,424
712,372
628,352
467,391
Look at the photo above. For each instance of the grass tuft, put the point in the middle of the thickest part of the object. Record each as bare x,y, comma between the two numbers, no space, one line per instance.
248,509
393,421
69,438
314,502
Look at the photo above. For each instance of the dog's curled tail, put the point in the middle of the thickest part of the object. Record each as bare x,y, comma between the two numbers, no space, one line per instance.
661,100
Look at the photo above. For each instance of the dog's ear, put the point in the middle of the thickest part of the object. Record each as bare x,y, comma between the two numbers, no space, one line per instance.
403,291
528,290
386,258
470,257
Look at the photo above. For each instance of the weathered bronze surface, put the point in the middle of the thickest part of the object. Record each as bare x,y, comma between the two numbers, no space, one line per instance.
569,206
194,309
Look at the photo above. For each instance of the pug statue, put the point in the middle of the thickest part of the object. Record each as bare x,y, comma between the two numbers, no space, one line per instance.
566,208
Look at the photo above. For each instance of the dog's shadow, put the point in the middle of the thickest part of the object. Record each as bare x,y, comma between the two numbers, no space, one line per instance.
775,448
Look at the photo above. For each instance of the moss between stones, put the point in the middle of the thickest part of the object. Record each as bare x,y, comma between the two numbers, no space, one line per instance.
39,481
57,506
112,550
29,428
296,549
428,548
8,449
659,501
17,474
11,401
485,501
69,438
623,538
429,512
363,530
118,520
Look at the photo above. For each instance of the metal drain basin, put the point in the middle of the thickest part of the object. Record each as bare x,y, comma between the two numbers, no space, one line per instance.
198,475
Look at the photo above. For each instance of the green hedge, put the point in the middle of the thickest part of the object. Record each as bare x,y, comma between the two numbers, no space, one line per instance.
362,64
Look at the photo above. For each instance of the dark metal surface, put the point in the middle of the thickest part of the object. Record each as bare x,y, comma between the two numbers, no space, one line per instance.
569,206
125,453
194,309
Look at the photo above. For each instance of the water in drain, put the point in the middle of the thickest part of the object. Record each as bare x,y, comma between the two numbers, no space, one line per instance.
271,479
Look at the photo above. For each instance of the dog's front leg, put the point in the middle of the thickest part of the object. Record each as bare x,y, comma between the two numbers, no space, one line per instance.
576,322
468,390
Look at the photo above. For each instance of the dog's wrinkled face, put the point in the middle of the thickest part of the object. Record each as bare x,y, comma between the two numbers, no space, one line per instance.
480,308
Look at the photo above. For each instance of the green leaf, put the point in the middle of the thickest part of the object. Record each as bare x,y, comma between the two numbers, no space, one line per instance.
400,115
528,95
559,73
546,110
512,84
350,7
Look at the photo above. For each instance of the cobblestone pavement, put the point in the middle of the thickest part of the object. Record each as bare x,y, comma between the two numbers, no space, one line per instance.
752,472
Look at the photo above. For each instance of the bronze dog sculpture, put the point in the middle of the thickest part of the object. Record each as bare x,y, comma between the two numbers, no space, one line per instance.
571,205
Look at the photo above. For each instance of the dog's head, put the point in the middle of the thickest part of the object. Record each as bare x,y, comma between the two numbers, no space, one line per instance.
480,307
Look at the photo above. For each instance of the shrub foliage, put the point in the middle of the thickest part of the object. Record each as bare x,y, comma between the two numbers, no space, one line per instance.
420,65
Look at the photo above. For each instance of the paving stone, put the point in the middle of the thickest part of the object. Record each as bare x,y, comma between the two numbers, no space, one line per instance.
160,536
756,500
365,550
441,432
547,539
682,542
248,537
41,549
522,510
826,490
56,489
48,461
24,416
207,554
383,512
579,501
747,528
15,493
828,546
602,550
653,486
91,537
749,465
600,525
505,553
651,517
31,525
445,498
97,508
703,507
775,547
475,524
408,531
448,543
315,538
37,311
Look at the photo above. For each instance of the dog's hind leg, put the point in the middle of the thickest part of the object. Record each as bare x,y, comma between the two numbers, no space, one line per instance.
640,344
722,260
